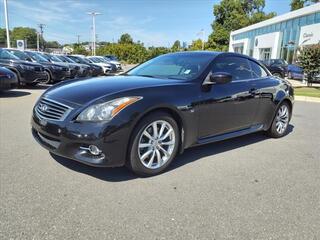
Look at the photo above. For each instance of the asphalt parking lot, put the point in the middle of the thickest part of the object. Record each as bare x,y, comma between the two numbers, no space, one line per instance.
246,188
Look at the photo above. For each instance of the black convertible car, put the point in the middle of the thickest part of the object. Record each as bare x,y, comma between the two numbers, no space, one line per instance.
143,118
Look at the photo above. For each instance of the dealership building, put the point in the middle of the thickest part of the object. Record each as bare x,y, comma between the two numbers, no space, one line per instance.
280,36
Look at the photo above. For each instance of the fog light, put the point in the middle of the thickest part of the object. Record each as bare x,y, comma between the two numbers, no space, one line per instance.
94,150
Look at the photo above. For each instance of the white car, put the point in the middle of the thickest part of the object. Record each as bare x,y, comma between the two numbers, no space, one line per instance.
107,68
114,60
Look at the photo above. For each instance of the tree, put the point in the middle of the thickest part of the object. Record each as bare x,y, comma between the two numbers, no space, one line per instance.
297,4
176,46
79,49
196,45
231,15
52,44
309,60
125,39
25,33
3,37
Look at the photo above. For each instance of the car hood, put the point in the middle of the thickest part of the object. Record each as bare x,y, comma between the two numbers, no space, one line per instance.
20,62
84,91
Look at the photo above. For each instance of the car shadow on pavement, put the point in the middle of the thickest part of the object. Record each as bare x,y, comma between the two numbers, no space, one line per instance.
190,155
13,93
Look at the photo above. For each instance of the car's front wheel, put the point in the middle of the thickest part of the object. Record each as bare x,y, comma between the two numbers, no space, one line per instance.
280,122
154,144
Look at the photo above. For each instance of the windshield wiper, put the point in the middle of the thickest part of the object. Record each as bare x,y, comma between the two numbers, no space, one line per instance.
143,75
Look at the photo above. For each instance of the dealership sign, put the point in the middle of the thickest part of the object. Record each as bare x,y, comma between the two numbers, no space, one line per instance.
20,45
310,34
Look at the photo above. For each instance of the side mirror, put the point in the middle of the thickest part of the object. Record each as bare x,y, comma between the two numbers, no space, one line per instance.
219,78
29,59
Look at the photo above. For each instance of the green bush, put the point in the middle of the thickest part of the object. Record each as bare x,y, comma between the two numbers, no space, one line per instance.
309,60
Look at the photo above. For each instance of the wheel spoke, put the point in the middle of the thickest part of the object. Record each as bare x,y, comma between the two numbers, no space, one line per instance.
145,133
151,159
166,135
163,125
146,154
145,145
159,158
167,155
167,143
155,130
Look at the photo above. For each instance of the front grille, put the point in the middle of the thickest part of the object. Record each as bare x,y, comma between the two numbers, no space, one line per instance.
51,110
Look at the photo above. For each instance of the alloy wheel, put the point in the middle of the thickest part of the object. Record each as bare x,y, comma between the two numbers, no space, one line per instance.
282,119
156,144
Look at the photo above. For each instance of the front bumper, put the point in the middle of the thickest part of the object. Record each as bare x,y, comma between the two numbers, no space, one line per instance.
69,139
8,83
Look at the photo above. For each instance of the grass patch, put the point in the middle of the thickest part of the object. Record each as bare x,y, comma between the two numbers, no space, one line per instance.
307,91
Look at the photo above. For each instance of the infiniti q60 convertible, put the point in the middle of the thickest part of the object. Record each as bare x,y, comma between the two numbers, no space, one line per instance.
145,117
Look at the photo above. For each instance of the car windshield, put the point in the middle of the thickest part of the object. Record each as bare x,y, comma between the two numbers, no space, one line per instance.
37,57
69,60
54,58
19,54
114,58
279,62
95,60
173,66
4,54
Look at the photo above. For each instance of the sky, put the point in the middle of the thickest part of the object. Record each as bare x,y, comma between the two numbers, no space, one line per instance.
153,22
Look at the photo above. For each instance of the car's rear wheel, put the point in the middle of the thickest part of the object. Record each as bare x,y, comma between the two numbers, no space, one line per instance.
276,74
48,77
154,145
280,122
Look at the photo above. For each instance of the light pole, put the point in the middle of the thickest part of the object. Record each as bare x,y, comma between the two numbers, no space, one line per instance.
93,14
7,22
203,34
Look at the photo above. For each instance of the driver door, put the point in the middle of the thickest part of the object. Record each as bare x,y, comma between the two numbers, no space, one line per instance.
230,106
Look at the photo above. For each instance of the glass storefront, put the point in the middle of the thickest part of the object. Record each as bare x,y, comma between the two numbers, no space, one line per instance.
289,30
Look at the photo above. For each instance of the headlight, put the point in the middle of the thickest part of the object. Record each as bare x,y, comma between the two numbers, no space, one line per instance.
27,67
57,68
106,111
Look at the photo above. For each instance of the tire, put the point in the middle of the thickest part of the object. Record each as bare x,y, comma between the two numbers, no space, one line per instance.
49,78
280,123
276,74
147,153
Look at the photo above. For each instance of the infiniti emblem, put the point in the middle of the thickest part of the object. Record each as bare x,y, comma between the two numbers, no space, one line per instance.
43,107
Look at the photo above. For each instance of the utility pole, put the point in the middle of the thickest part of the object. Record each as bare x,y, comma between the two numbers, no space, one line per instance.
7,22
38,41
78,39
202,31
41,26
93,14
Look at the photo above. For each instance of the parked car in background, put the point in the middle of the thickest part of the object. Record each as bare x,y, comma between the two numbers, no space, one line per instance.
278,67
295,72
114,60
74,69
27,72
54,72
144,118
8,79
84,70
96,70
107,68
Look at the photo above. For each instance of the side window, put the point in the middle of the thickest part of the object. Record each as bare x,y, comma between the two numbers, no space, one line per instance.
257,70
238,67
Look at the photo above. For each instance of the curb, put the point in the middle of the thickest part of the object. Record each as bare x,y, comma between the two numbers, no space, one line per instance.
306,99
